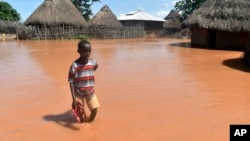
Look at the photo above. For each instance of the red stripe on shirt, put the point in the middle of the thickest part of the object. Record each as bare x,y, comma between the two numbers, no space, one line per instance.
90,88
85,78
71,74
85,67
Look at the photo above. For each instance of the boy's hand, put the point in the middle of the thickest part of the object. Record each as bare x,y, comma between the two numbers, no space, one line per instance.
73,104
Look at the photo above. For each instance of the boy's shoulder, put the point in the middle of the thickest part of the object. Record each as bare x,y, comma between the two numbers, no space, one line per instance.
93,61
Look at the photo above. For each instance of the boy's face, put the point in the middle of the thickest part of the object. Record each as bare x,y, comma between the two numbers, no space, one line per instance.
85,51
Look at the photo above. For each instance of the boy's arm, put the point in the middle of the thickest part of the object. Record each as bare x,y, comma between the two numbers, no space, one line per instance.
96,66
71,76
72,89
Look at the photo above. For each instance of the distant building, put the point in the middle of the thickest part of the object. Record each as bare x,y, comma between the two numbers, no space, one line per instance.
56,13
105,25
53,19
140,18
172,24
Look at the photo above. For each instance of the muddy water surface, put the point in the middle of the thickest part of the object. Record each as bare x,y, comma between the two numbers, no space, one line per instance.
149,89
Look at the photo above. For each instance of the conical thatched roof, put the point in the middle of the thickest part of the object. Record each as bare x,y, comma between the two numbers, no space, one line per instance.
105,17
225,15
56,12
172,20
172,15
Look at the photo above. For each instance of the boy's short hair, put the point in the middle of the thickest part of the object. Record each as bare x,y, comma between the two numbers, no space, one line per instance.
82,43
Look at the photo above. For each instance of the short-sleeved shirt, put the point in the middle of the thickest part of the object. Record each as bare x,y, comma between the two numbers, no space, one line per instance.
82,76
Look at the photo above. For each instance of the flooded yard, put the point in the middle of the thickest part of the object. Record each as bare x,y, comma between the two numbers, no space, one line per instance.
149,89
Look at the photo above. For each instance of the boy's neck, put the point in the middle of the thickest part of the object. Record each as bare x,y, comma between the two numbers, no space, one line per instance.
82,61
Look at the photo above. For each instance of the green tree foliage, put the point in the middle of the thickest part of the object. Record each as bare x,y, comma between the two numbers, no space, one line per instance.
7,13
84,6
186,7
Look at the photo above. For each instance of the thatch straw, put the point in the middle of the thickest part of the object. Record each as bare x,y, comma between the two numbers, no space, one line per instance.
56,12
105,17
224,15
172,20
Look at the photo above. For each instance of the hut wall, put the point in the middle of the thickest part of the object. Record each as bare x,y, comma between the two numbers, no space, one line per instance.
153,25
132,23
44,32
231,39
110,32
65,32
246,56
199,37
148,25
154,28
9,27
223,39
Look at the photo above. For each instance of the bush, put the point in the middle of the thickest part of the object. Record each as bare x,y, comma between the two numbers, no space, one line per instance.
80,36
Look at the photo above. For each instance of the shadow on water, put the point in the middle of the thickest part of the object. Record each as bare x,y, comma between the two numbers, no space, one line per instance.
189,45
65,119
182,44
236,63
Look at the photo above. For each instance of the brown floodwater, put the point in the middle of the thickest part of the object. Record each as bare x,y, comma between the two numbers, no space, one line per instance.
149,89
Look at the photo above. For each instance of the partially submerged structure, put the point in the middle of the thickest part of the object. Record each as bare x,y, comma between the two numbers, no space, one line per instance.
9,27
142,19
105,25
54,19
172,24
59,19
220,24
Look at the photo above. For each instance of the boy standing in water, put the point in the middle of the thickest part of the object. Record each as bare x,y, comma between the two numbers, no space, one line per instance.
81,80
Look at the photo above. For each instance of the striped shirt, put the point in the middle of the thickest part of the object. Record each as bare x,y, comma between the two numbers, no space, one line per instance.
82,76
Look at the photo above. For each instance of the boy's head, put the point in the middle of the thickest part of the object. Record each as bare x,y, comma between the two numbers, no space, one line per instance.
84,49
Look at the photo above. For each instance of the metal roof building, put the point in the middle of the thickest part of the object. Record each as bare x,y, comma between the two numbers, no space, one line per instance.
141,19
139,15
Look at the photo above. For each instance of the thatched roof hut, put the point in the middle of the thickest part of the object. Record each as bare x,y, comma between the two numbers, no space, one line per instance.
56,12
220,23
172,21
105,17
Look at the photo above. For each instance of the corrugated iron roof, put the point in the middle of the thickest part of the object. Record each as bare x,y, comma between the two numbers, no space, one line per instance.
139,15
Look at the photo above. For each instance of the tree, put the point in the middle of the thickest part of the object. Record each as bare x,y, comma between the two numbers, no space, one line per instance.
186,7
84,6
7,13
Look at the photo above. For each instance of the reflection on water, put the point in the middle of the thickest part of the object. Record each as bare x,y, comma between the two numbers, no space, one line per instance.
149,89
